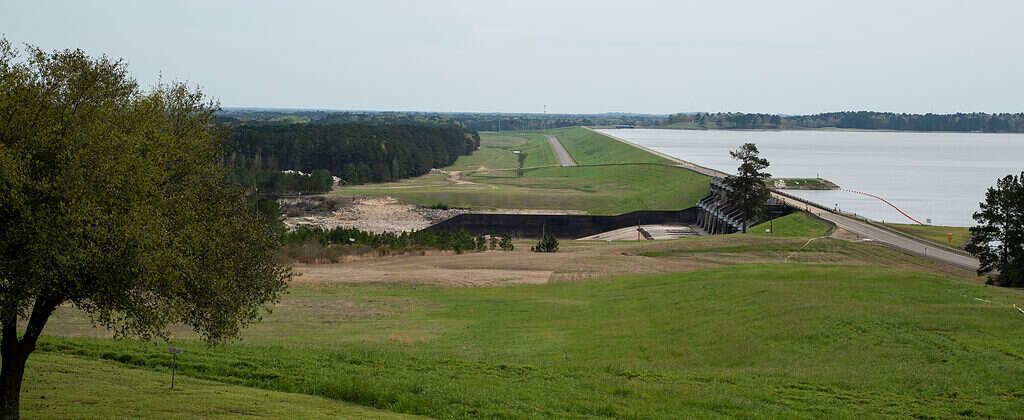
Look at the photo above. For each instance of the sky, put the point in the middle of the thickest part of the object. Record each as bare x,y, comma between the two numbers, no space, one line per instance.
789,57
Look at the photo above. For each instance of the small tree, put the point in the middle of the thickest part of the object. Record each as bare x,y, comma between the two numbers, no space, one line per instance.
481,243
494,241
547,244
998,239
113,200
747,190
506,242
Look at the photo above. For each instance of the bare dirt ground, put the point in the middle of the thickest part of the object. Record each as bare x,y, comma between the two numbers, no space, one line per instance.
577,261
366,213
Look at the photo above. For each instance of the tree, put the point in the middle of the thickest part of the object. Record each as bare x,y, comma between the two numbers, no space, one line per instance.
747,190
506,242
113,200
547,244
998,239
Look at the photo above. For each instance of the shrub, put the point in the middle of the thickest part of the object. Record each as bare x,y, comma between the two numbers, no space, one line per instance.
547,244
506,242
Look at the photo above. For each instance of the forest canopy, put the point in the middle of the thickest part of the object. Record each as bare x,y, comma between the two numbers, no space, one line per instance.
355,153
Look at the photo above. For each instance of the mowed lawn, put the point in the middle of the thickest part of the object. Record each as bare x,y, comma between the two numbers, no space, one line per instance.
751,341
63,387
489,180
937,234
611,189
797,223
588,147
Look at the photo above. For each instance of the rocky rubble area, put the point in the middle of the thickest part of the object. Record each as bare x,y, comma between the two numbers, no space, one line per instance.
371,214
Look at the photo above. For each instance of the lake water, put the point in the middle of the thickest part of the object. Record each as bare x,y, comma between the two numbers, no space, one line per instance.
937,176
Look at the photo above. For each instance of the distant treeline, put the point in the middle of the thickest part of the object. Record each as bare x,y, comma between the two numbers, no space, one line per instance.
357,153
866,120
470,121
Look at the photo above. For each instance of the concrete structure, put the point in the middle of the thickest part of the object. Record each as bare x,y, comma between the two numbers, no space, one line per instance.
716,216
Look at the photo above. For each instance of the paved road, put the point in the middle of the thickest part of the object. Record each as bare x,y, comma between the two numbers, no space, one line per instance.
862,229
563,155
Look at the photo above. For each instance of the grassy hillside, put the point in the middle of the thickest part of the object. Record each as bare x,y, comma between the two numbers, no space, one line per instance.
937,234
754,341
794,224
609,189
588,147
67,387
486,183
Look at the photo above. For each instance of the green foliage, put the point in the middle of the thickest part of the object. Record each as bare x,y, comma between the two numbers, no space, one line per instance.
277,182
548,243
506,242
356,153
746,190
113,199
385,242
998,239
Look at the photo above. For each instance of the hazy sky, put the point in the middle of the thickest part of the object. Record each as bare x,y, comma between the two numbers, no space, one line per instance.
575,56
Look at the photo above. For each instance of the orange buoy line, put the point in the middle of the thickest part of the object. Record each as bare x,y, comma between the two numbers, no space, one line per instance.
886,202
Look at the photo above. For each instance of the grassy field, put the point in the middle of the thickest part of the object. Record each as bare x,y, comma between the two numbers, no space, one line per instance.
68,387
801,184
798,224
937,234
783,340
487,183
609,189
588,147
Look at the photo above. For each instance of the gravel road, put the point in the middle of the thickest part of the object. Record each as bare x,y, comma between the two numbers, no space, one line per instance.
563,155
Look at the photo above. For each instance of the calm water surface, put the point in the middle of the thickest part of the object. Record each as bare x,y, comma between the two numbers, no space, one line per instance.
937,176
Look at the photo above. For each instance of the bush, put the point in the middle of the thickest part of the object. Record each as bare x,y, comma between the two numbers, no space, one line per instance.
547,244
506,242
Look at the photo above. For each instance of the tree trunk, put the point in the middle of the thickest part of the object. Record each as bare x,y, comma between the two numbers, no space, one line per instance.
11,372
15,353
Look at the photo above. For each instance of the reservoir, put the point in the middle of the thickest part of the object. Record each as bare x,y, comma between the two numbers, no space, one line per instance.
937,176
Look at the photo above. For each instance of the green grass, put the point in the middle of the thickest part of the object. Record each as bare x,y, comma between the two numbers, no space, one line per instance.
604,189
534,144
798,224
801,184
751,341
937,234
611,189
68,387
588,147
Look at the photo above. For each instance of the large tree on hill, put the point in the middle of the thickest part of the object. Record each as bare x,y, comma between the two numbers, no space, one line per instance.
998,239
747,190
112,200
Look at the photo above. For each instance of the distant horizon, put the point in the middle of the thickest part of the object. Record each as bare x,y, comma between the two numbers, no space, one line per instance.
784,115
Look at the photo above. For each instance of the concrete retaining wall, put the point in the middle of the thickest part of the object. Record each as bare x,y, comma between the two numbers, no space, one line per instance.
562,226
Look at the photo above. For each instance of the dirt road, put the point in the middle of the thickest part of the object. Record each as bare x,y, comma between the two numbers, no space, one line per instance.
859,228
563,155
